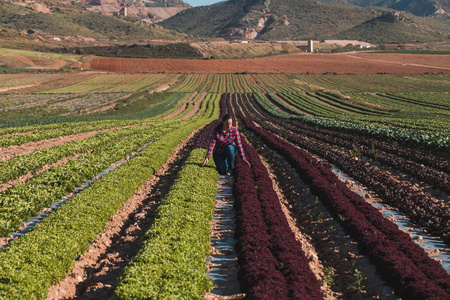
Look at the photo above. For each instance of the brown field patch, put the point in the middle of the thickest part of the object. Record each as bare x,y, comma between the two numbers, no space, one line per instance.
343,63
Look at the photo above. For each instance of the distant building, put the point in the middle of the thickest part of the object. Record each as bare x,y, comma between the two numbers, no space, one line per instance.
123,12
310,46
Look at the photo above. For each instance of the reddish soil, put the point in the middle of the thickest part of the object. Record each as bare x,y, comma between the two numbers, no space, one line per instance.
180,108
195,108
354,63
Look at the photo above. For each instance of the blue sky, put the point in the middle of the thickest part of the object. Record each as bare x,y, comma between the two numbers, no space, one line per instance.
201,2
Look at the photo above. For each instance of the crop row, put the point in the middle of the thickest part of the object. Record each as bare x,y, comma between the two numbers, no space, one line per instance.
273,82
376,82
33,133
42,257
437,178
289,258
376,146
171,262
20,165
318,105
415,204
116,83
275,234
340,102
23,200
403,264
414,138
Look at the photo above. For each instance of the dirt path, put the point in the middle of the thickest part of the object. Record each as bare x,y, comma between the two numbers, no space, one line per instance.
195,108
181,108
399,60
95,272
57,64
11,88
223,265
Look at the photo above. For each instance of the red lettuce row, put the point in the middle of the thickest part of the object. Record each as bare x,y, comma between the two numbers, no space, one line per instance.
259,274
300,280
437,178
414,204
416,155
393,264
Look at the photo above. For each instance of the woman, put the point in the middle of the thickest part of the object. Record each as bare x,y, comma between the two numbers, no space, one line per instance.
225,142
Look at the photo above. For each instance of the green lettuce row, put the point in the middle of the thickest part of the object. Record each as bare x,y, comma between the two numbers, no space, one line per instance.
20,165
410,137
63,129
171,263
24,200
42,257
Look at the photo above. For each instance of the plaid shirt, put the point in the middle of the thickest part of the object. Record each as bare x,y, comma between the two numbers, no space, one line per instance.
221,139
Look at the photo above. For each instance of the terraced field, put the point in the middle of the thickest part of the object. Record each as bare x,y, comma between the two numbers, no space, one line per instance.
102,193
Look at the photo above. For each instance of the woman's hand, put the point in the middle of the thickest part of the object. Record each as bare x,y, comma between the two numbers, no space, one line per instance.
205,161
248,163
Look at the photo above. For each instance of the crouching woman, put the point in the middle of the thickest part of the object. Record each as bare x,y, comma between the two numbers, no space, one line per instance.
225,142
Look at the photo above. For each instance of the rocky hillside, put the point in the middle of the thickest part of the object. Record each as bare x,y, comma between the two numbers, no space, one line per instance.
422,8
61,22
305,19
150,11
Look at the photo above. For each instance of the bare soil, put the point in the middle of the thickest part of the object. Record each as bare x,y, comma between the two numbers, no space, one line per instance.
180,108
315,63
95,272
195,108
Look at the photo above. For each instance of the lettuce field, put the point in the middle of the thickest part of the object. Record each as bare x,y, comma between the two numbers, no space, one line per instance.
103,194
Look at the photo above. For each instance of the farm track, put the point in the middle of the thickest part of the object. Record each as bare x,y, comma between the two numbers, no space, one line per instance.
94,273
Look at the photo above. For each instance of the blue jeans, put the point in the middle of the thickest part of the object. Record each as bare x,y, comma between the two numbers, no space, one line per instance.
225,162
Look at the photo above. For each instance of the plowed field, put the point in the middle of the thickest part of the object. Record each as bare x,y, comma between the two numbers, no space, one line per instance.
356,63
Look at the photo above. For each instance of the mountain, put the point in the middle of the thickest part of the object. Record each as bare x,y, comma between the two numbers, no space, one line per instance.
306,19
150,11
422,8
398,28
283,19
66,22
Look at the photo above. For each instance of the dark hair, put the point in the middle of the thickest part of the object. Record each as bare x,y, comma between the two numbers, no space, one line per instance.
224,118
